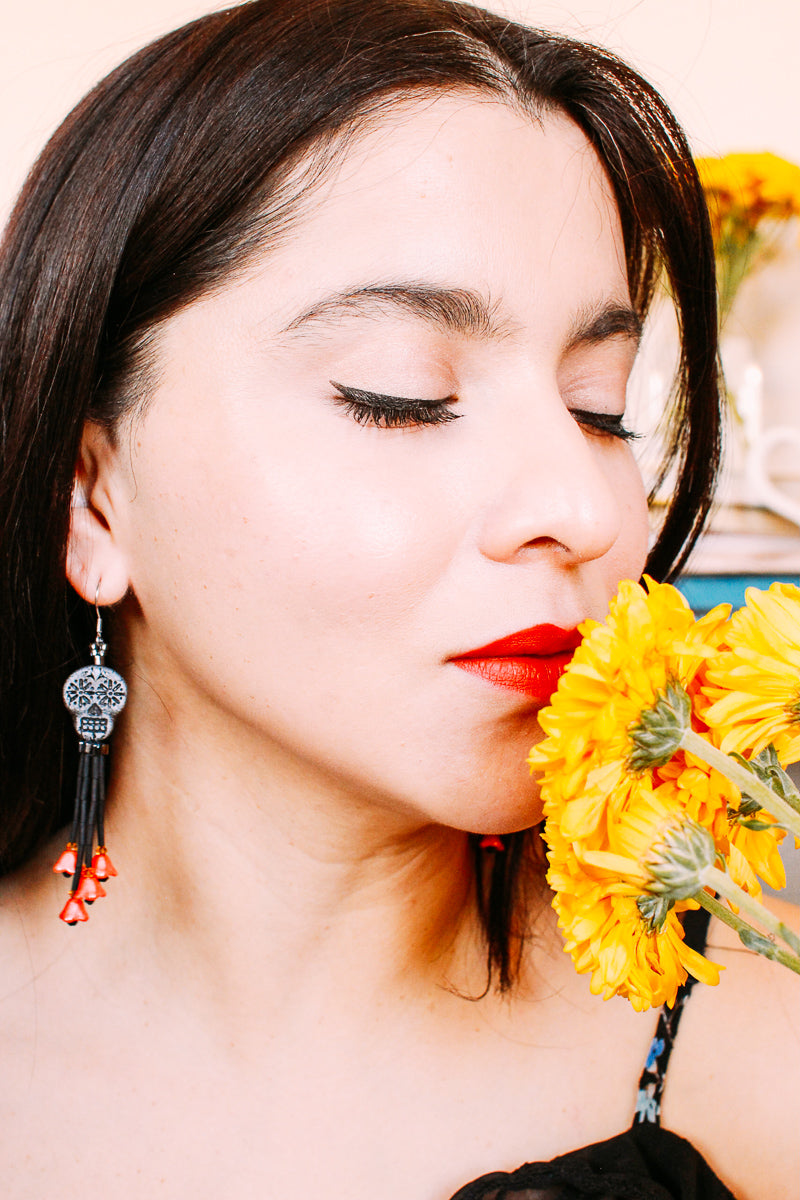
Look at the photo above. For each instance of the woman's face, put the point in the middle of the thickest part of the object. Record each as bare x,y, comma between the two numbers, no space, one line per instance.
307,559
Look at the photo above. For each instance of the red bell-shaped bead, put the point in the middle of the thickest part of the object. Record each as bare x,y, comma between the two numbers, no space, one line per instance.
67,861
102,865
73,911
89,888
492,842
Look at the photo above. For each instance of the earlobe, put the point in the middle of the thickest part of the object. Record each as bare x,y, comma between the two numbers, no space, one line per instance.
96,558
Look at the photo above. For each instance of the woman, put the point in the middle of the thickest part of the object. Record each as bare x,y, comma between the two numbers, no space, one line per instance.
316,332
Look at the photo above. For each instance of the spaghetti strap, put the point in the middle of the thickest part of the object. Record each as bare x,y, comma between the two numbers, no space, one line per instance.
646,1162
654,1075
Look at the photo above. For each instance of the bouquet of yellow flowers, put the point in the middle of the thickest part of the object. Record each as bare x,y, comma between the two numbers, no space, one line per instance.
664,784
750,197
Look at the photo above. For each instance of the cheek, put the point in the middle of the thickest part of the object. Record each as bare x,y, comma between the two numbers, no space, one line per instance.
316,539
341,542
629,554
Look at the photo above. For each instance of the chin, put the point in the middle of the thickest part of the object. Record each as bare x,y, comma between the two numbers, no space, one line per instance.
508,814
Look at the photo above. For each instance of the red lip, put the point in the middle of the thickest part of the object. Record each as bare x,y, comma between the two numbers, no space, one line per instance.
529,662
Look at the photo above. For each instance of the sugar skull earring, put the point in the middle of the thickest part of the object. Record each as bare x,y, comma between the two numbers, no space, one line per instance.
95,696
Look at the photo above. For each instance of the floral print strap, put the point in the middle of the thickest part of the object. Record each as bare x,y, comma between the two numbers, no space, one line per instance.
654,1075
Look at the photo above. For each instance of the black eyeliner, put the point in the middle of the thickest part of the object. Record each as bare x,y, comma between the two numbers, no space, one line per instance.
392,412
604,423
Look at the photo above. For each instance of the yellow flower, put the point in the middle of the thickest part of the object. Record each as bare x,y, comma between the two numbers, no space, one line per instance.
750,197
602,816
597,884
637,804
699,791
753,186
754,853
753,685
649,638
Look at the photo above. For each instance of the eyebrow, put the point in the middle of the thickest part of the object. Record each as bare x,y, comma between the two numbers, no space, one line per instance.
465,312
602,322
455,310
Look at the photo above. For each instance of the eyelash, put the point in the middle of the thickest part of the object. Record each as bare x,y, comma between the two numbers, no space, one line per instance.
600,422
393,412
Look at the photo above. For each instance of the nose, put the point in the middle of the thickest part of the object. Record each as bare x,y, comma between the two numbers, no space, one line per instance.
554,491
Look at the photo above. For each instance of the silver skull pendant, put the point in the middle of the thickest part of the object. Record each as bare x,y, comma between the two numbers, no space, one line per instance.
95,696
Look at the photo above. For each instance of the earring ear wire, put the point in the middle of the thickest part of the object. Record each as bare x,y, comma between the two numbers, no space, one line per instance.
95,696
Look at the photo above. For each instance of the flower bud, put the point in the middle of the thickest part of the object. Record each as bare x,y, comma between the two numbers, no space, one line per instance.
678,863
658,732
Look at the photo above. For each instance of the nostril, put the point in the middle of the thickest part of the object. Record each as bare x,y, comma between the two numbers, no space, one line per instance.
539,542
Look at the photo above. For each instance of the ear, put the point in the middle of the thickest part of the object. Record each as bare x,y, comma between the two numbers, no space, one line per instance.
97,564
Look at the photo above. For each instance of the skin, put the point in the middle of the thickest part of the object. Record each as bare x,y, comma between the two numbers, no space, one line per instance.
292,922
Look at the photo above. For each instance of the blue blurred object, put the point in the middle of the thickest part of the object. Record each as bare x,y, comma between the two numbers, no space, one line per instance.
705,591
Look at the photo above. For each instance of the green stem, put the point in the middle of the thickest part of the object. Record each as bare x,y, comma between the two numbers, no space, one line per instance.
723,884
793,800
736,256
747,783
741,927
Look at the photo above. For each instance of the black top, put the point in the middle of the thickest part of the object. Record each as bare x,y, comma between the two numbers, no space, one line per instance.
645,1162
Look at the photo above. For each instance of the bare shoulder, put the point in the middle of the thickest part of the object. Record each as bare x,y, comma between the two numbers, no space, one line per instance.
734,1079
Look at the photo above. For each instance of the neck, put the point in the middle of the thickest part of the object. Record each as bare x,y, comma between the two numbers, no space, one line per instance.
230,856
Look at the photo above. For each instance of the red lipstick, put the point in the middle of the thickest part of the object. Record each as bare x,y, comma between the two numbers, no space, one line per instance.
529,662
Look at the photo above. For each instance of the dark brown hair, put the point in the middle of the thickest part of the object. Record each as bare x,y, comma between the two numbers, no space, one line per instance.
164,180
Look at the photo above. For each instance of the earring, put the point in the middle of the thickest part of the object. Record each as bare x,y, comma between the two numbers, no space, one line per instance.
95,695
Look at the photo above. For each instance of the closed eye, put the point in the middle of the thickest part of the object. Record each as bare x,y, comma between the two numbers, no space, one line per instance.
393,412
602,422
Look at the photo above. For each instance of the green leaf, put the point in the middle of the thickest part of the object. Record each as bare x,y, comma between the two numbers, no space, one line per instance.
654,911
766,767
